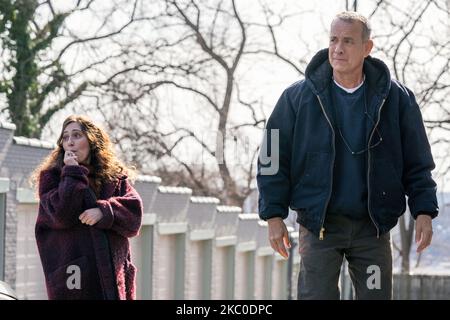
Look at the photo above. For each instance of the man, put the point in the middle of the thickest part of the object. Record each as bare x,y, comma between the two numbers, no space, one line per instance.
349,143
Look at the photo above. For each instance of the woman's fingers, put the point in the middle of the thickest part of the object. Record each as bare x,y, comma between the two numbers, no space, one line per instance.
84,218
89,218
70,158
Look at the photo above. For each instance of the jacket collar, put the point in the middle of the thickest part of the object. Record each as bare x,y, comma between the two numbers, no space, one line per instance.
319,73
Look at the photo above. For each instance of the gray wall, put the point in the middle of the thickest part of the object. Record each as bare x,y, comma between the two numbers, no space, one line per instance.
18,157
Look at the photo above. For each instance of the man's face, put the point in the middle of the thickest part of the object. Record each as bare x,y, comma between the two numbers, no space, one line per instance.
347,49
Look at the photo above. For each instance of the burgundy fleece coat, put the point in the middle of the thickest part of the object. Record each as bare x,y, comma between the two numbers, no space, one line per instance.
102,251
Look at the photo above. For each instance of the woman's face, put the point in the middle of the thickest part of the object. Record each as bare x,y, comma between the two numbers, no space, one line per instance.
75,140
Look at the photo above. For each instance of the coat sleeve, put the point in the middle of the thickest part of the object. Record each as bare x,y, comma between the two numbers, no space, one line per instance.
59,200
418,161
122,213
274,161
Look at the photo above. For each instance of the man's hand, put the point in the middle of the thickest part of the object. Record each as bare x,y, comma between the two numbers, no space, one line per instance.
279,236
91,216
424,232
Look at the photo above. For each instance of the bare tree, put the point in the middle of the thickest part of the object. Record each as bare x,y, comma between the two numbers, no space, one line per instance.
195,51
198,51
47,62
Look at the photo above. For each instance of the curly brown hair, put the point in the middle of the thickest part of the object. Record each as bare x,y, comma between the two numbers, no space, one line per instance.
105,166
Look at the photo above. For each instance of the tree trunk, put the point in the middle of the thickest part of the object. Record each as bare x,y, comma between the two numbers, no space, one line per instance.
406,236
25,76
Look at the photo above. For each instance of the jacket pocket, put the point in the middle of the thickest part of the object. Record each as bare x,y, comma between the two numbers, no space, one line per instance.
317,169
70,281
388,188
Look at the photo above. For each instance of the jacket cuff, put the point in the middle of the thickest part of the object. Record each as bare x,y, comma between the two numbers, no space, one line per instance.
74,171
428,213
268,214
426,202
107,220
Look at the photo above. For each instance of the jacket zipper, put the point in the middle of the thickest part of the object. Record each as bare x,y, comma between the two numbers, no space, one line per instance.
322,229
368,168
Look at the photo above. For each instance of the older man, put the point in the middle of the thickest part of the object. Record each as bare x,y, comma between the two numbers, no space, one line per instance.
351,144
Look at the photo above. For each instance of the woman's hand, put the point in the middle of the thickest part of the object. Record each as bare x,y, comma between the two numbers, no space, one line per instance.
70,159
91,216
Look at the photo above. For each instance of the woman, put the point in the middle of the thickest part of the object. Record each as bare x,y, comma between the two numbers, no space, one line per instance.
88,210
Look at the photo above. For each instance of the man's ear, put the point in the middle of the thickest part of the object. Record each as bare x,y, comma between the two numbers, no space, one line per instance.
368,47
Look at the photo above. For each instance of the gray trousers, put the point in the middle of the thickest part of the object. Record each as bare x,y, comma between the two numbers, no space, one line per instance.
369,260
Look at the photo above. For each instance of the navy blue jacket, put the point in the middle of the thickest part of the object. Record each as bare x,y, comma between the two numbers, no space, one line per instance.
400,165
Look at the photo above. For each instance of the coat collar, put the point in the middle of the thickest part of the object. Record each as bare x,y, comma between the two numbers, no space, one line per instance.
319,73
